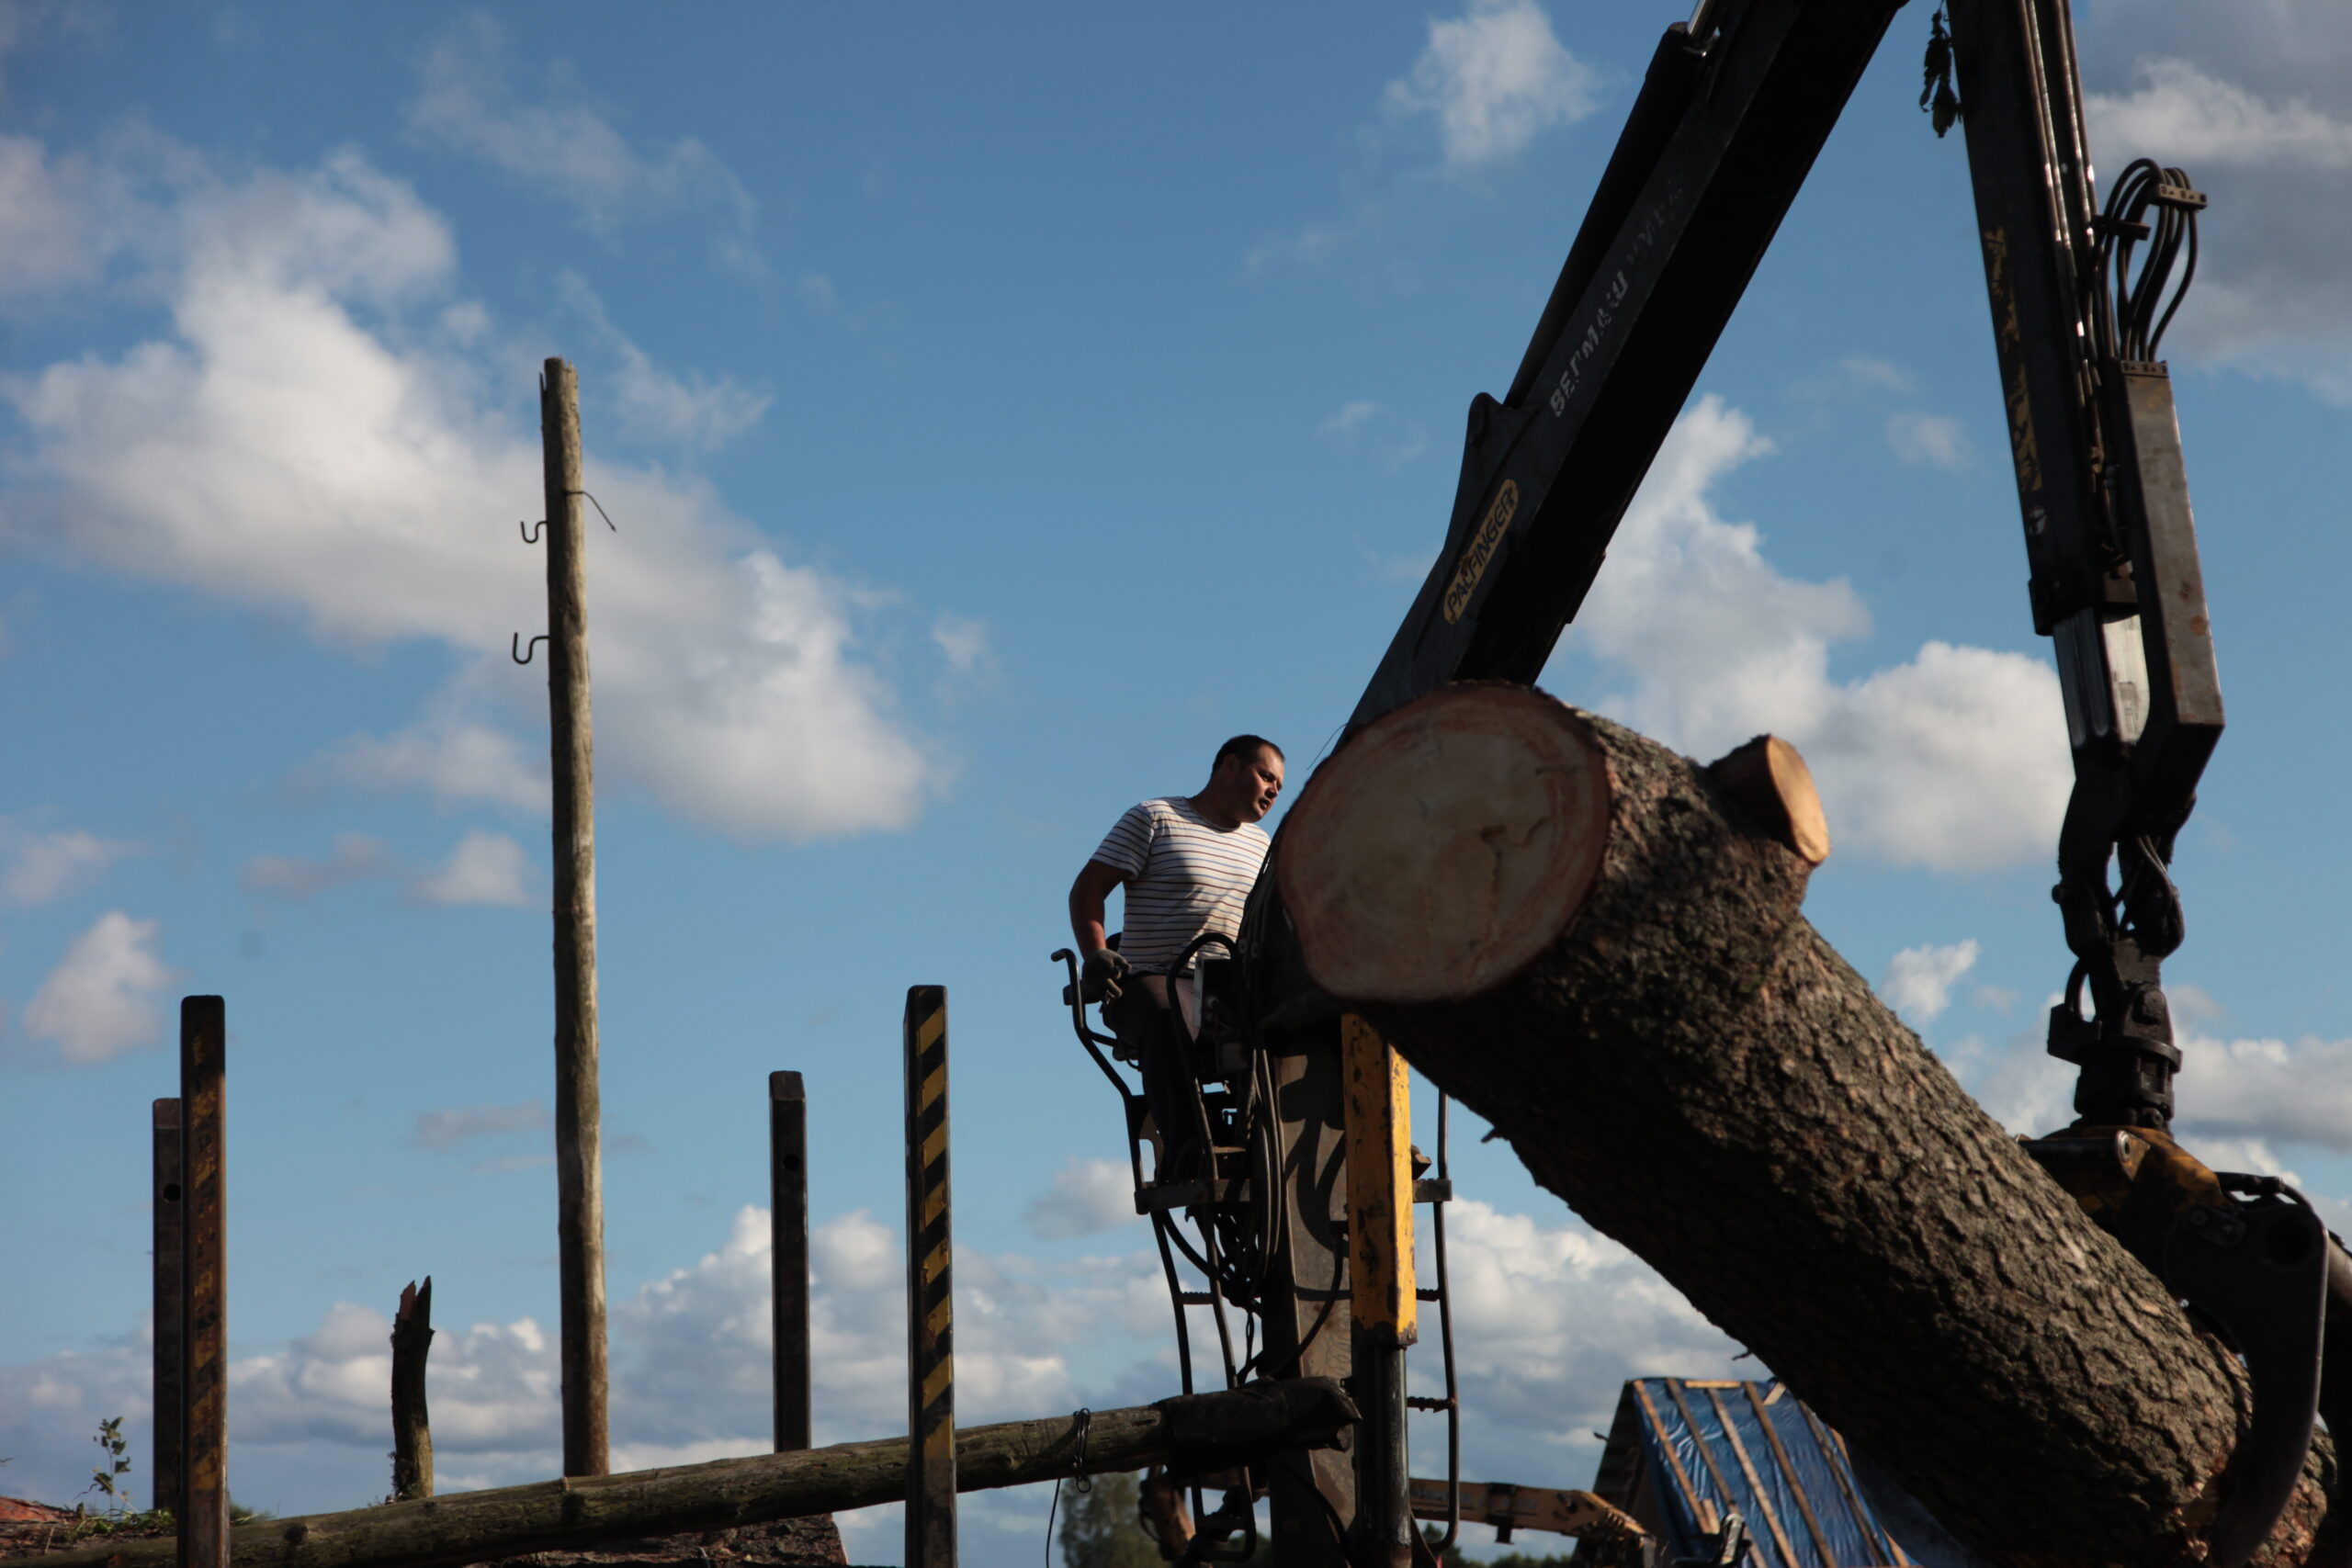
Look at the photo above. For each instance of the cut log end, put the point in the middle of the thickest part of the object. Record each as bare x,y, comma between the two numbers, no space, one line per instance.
1446,845
1768,776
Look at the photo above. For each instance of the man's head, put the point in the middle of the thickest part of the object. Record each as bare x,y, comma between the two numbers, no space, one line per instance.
1244,780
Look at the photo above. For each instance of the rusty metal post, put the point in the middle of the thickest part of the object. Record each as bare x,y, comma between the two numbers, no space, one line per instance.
170,1401
931,1360
1383,1294
579,1168
788,1256
412,1421
204,1453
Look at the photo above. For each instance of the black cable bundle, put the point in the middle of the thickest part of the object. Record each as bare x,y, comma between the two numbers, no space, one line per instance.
2136,324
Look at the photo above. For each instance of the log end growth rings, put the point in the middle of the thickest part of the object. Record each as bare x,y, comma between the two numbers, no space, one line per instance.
1446,845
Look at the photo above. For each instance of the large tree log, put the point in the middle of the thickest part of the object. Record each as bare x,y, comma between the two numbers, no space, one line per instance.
1597,945
1192,1434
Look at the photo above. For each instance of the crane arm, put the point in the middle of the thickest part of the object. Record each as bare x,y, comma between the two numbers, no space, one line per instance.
1732,112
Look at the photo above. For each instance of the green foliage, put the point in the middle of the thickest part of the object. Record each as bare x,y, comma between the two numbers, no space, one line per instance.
114,1463
1936,95
152,1522
1100,1529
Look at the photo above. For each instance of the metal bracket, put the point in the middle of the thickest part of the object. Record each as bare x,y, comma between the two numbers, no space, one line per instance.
520,654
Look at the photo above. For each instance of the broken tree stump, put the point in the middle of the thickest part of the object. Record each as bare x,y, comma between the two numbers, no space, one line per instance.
1597,944
1193,1434
411,1423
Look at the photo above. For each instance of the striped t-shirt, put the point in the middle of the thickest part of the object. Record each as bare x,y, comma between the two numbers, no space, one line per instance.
1185,877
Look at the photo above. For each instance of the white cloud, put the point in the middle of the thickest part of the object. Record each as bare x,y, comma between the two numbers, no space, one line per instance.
495,1389
49,865
457,1124
1087,1197
356,857
2241,1153
100,1001
1393,440
2267,1090
1551,1318
816,292
465,103
1869,372
485,868
1492,78
2254,101
696,412
454,758
274,451
965,643
54,237
1936,440
1919,980
2239,1101
2023,1086
699,1366
1312,246
1954,761
2185,115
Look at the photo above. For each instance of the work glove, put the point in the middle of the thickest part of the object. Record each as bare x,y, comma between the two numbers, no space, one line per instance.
1100,979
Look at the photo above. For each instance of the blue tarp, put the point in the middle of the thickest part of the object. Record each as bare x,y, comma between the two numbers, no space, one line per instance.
1755,1448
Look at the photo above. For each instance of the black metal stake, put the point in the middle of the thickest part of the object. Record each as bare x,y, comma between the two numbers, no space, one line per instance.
788,1256
171,1328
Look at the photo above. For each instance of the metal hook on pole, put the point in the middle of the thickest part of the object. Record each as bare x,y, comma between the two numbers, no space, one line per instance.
520,654
600,509
531,531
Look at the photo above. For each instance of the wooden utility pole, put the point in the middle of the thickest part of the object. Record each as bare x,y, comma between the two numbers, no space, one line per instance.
788,1256
579,1169
412,1422
204,1316
170,1402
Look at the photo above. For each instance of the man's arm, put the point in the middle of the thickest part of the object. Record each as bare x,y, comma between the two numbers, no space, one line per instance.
1087,896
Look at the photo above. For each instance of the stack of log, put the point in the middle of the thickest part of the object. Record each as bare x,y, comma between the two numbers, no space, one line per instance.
583,1515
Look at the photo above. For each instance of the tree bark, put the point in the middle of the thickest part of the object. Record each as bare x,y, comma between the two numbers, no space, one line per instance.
412,1422
1597,944
1192,1434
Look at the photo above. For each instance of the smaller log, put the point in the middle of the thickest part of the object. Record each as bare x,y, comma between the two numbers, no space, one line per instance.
412,1426
1193,1434
1768,776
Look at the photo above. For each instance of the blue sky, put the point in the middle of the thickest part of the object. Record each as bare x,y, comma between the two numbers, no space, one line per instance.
999,407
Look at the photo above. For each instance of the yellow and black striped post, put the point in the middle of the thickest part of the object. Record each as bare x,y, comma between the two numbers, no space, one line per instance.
1383,1296
204,1318
931,1344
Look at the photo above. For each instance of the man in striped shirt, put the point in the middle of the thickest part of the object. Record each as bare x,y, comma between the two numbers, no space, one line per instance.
1187,863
